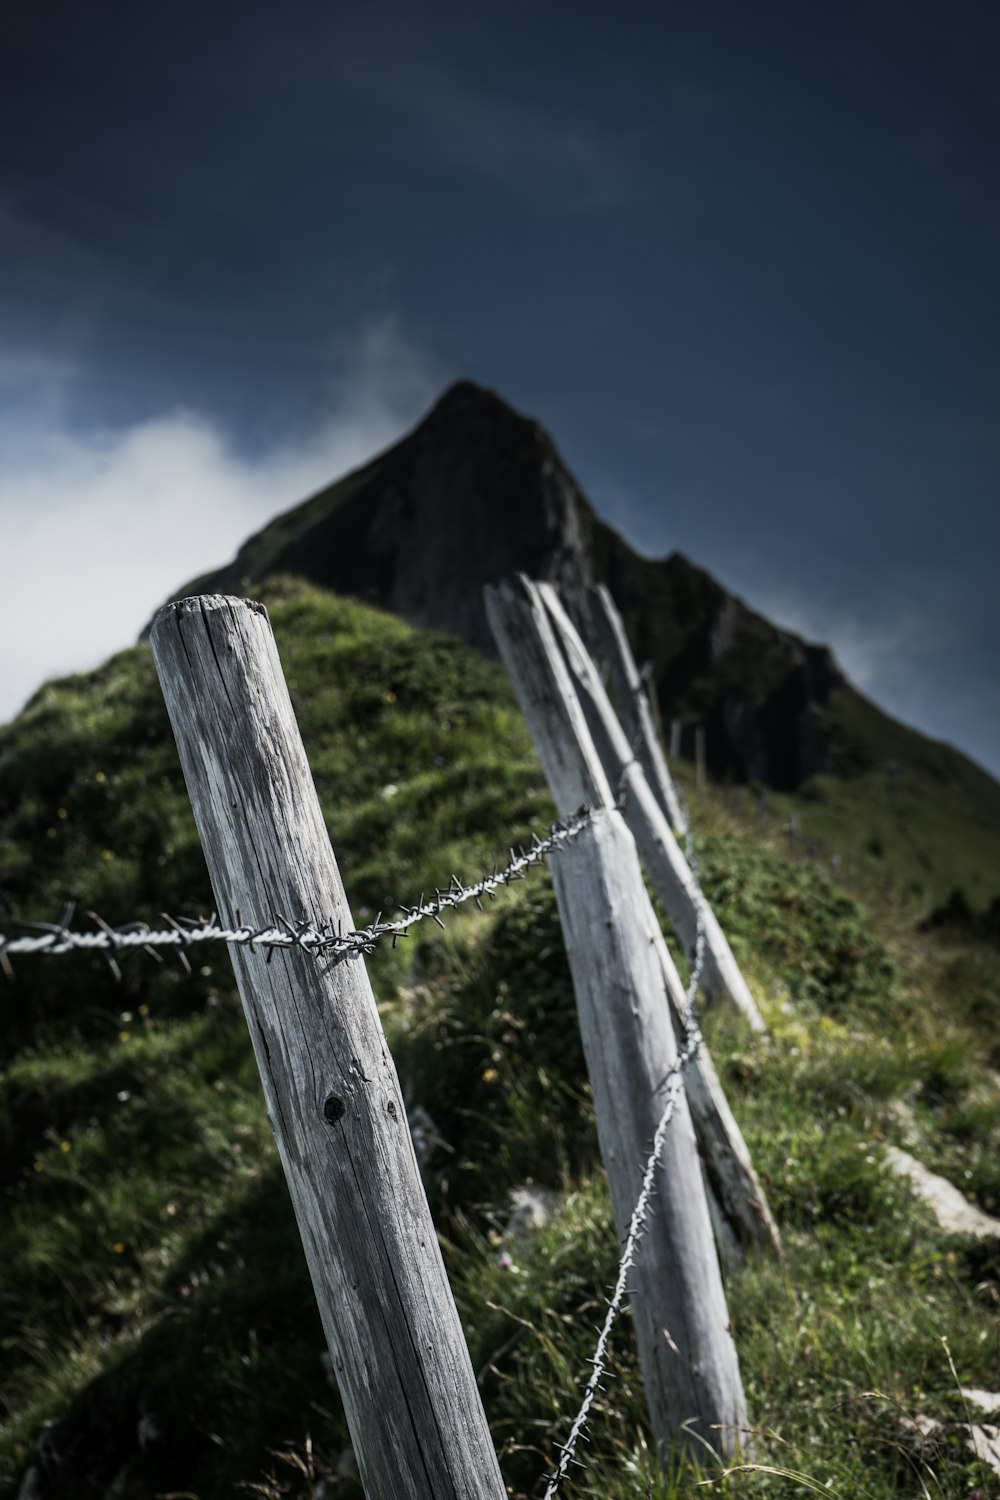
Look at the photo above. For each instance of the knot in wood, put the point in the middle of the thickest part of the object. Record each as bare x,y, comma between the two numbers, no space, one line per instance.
333,1109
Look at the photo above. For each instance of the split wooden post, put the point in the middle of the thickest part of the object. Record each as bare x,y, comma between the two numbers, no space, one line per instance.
634,709
661,854
740,1212
413,1407
741,1215
613,942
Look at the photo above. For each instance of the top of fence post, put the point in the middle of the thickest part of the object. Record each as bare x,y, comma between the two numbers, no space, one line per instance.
665,862
633,704
547,696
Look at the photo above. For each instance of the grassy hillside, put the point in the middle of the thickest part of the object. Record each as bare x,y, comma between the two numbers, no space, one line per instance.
157,1325
901,808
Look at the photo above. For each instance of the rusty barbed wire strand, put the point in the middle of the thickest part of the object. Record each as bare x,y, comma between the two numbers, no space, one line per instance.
673,1083
56,938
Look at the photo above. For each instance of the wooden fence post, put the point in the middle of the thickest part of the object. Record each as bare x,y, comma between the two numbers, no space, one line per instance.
634,708
413,1407
700,779
740,1212
741,1215
614,946
662,856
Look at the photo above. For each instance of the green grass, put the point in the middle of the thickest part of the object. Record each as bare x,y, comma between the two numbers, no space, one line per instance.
151,1270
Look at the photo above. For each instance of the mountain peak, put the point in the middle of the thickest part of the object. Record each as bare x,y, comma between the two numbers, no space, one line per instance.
465,395
478,491
474,492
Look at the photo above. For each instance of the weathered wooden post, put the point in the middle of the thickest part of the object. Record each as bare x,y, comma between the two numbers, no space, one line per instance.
333,1098
661,854
740,1213
634,708
700,779
616,956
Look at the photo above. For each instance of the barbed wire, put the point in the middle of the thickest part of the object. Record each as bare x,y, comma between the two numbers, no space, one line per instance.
326,939
637,1223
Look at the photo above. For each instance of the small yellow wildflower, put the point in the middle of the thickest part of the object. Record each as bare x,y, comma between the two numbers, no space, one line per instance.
123,1036
490,1075
118,1247
65,1145
100,776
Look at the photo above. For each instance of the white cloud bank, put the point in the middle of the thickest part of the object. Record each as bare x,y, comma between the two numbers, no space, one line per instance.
96,531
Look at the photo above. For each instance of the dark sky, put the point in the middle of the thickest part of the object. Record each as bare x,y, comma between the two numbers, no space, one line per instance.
742,260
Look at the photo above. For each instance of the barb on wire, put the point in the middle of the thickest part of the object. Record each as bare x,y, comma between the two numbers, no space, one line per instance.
673,1083
316,938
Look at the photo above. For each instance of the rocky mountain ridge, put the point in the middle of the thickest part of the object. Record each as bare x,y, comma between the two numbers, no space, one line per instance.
477,491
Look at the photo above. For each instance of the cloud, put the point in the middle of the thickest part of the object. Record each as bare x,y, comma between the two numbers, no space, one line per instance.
543,151
920,647
894,650
33,396
99,529
514,143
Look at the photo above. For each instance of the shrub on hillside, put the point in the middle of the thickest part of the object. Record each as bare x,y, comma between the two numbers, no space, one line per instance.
815,939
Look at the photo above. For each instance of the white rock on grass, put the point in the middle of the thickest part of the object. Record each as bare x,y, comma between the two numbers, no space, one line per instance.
986,1401
953,1211
983,1442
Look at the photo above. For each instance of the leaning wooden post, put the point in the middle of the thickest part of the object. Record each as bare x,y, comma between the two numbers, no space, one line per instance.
741,1215
613,942
634,708
662,856
333,1098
